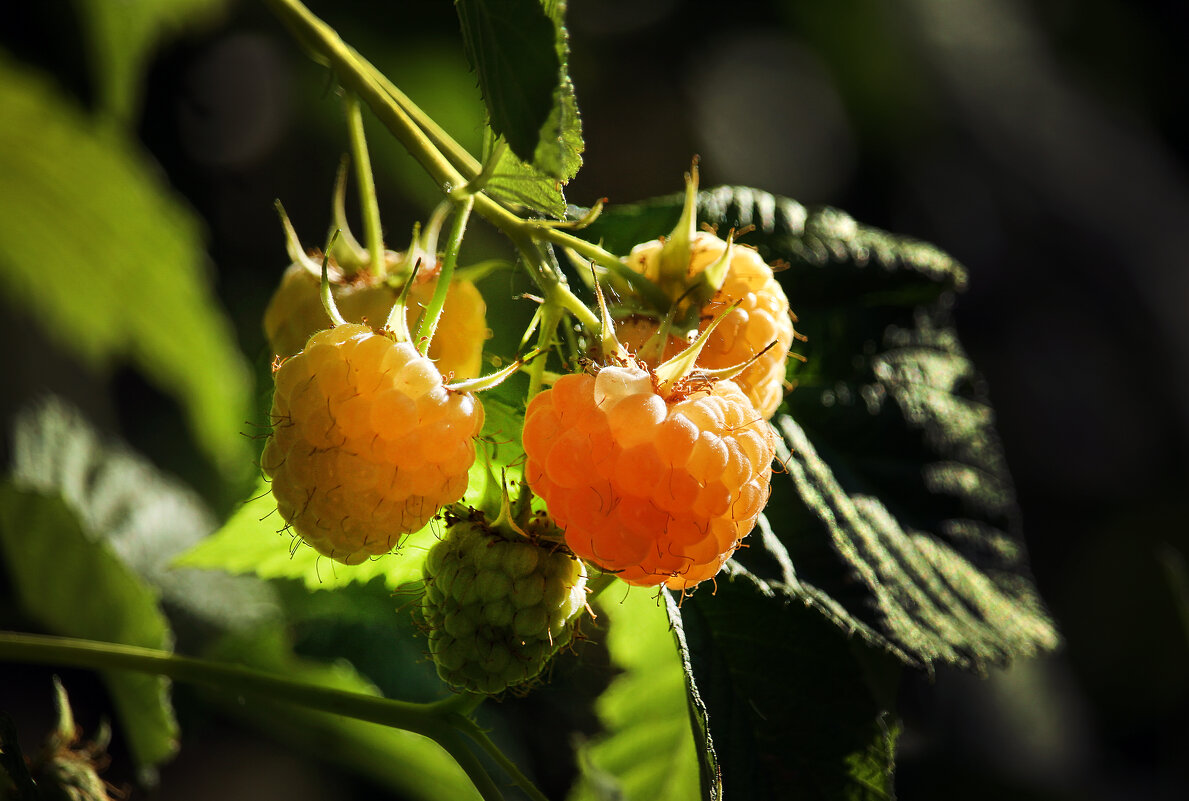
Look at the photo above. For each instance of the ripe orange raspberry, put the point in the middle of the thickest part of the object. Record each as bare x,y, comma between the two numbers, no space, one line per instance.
295,312
367,442
658,490
762,317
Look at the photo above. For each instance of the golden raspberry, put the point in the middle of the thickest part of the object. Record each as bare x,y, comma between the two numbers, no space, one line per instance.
295,312
762,317
367,442
659,491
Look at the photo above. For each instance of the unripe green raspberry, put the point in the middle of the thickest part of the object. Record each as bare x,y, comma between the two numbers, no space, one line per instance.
498,605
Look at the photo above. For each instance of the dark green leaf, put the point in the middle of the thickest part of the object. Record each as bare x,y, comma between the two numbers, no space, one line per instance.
111,262
647,753
895,516
538,186
512,46
790,707
94,596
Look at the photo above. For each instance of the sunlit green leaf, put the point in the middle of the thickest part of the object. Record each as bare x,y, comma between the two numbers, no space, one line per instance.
524,185
75,586
111,262
255,541
121,37
559,152
648,752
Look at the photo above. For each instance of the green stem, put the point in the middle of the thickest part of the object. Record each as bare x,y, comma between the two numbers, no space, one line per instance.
433,312
356,76
641,285
332,309
550,283
463,161
463,703
440,721
546,335
367,186
425,141
419,718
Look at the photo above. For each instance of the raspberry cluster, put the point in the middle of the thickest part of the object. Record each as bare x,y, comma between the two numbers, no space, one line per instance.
295,312
498,607
657,489
761,318
367,442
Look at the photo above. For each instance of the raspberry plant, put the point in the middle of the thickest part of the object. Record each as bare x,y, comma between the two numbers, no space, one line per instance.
683,463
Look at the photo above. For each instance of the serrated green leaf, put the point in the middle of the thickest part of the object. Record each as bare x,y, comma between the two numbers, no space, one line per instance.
521,53
559,155
559,151
921,592
414,766
512,47
256,541
648,752
538,186
901,524
521,184
111,262
789,707
93,596
121,38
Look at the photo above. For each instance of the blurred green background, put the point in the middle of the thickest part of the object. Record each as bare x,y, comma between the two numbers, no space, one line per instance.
1043,144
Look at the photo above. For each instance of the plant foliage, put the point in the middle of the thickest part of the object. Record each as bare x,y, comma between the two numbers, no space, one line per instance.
891,540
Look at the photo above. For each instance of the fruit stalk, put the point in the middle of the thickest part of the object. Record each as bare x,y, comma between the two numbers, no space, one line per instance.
367,187
433,312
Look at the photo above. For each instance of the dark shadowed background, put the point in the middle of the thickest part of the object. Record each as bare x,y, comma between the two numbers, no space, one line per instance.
1043,144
